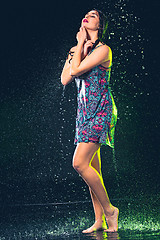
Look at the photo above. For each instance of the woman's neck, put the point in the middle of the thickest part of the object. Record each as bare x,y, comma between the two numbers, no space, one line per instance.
92,35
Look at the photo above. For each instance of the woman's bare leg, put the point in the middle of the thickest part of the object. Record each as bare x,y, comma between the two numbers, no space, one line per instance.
81,162
100,223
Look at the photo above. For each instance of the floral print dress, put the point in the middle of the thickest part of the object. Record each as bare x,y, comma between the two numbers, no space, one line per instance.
96,113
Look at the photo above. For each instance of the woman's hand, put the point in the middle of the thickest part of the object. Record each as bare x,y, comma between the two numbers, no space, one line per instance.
87,46
82,38
81,35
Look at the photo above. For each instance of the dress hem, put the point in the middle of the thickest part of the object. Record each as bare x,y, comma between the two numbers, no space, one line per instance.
105,144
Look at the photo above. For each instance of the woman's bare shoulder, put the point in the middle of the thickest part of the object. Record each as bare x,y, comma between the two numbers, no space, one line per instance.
105,46
108,49
73,49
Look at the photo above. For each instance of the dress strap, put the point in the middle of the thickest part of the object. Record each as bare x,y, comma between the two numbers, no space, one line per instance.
94,49
98,46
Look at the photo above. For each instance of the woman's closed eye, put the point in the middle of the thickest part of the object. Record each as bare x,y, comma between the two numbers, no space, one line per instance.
90,16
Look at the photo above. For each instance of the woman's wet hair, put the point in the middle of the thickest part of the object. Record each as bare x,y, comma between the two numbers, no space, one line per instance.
103,25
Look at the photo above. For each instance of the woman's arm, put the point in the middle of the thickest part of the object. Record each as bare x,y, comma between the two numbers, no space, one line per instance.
99,56
66,76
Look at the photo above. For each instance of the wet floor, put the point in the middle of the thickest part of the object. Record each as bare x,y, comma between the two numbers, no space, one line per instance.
138,219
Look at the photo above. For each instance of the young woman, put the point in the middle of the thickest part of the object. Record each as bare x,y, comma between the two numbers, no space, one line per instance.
89,64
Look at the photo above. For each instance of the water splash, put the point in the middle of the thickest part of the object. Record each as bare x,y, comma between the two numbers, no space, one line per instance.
63,92
116,167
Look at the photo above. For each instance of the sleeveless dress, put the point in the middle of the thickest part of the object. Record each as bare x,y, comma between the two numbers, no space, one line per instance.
96,113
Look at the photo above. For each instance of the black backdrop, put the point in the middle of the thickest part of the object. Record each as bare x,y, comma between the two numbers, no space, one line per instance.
38,115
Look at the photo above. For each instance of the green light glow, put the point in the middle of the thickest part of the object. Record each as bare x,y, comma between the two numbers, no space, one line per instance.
136,226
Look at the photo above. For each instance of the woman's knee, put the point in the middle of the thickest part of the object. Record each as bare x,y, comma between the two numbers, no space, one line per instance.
83,155
78,163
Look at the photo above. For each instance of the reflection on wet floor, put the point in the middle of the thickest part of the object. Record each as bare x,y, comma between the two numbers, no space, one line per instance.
138,219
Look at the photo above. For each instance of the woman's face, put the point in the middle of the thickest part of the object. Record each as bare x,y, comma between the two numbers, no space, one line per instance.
91,20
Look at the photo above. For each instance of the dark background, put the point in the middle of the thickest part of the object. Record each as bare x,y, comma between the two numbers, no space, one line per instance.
37,115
